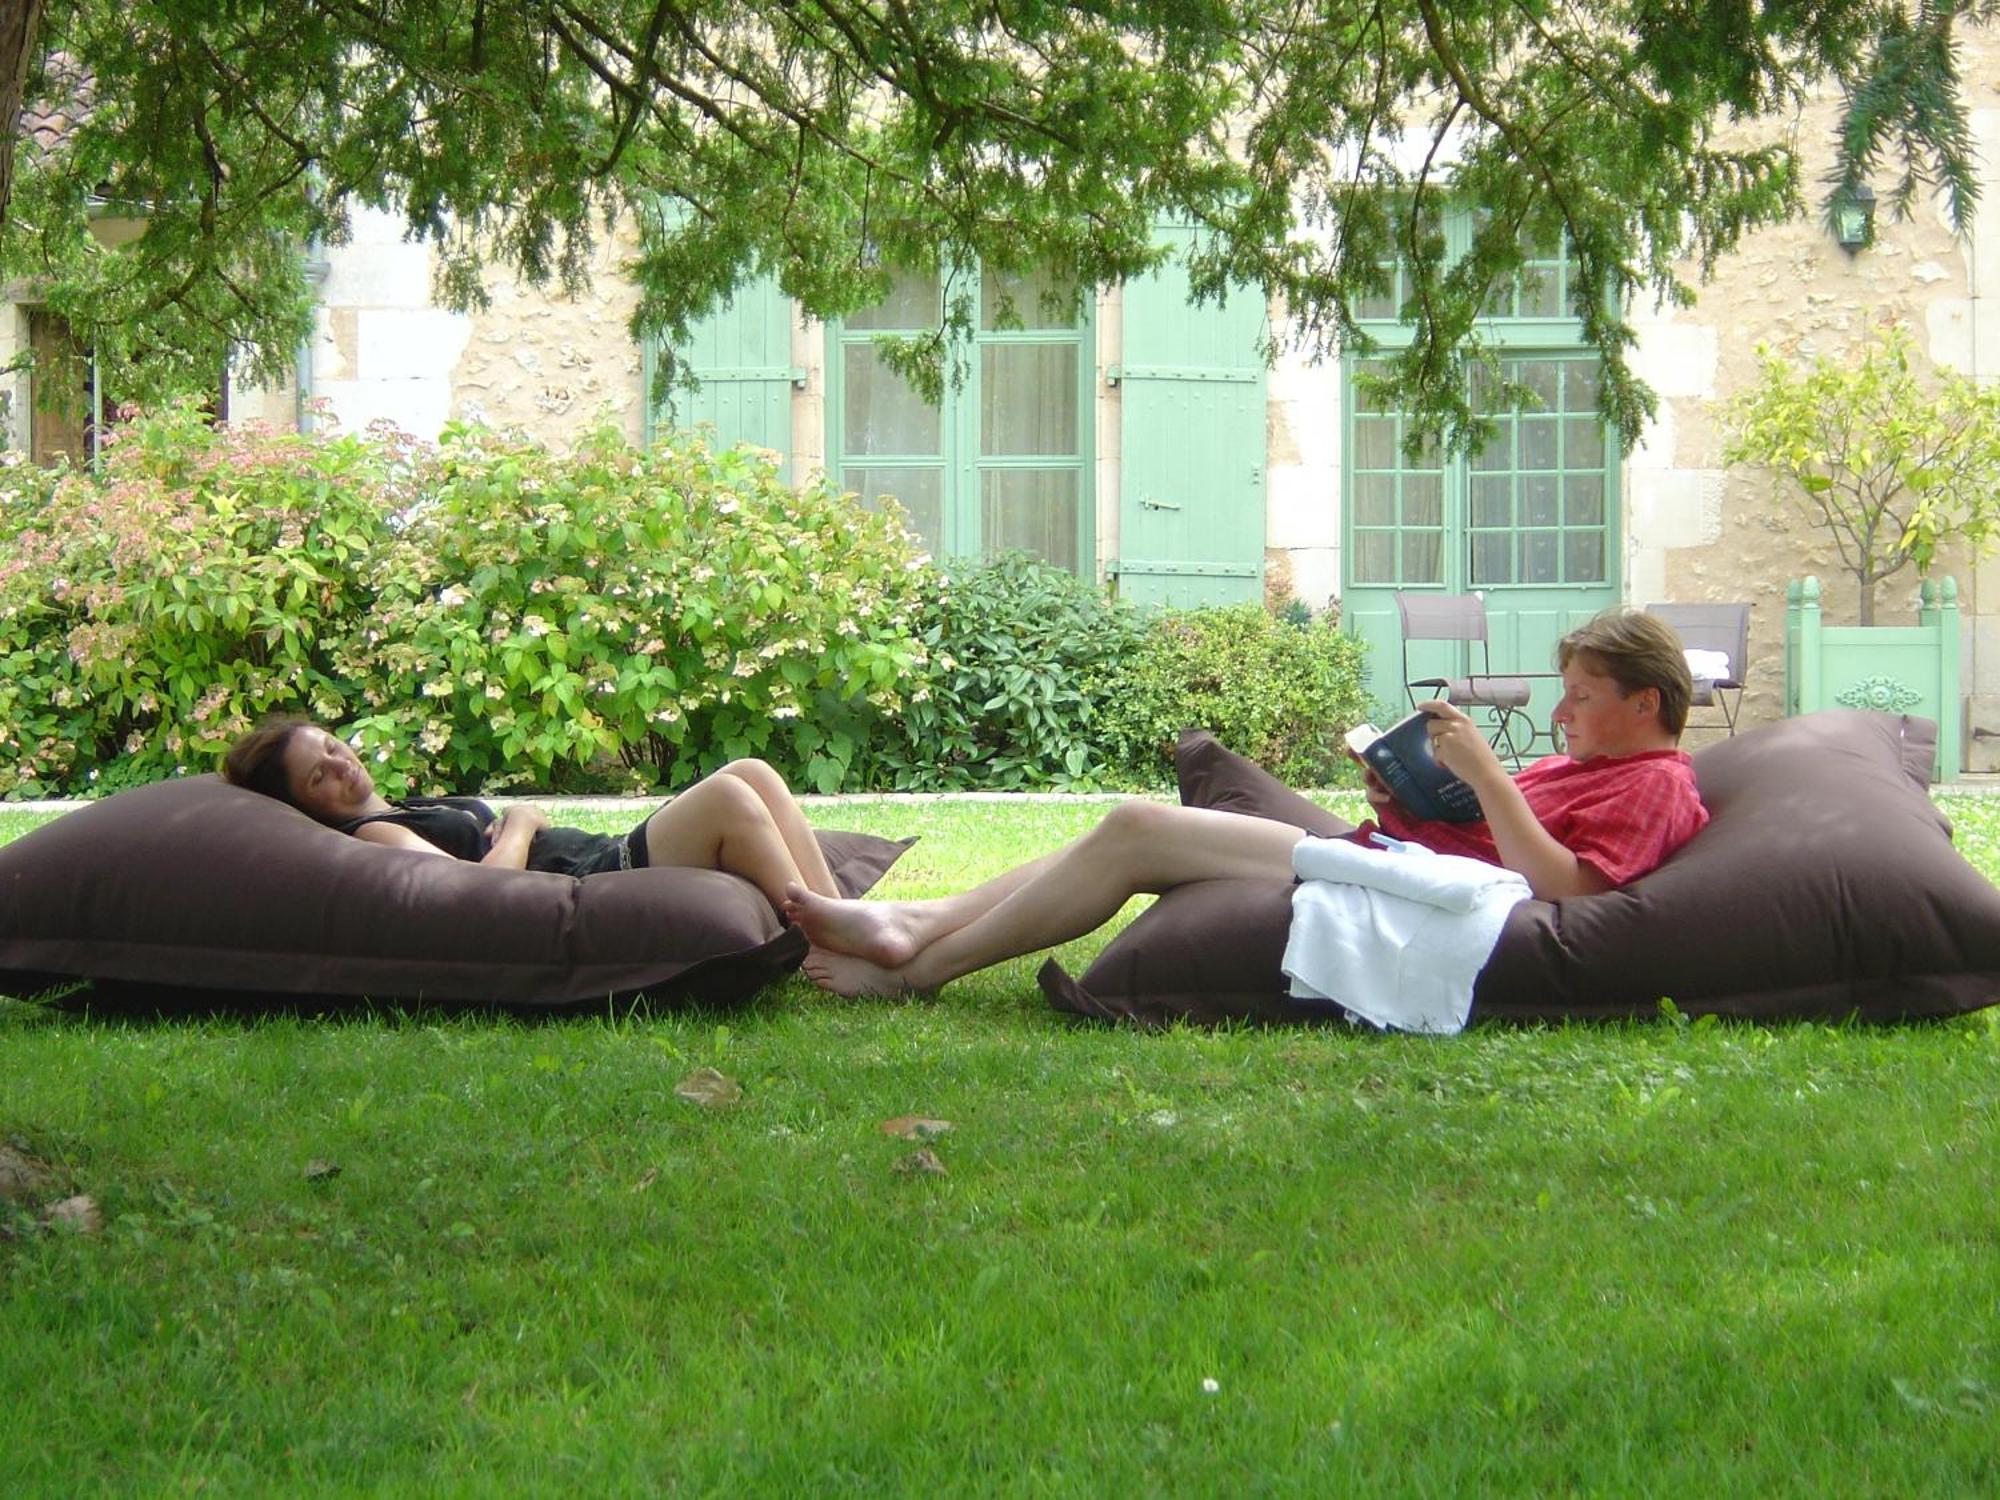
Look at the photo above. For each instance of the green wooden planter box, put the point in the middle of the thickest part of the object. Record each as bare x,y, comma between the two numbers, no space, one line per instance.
1903,669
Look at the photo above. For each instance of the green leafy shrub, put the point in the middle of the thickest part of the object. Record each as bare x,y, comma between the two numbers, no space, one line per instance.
151,613
673,608
1017,649
486,612
1280,693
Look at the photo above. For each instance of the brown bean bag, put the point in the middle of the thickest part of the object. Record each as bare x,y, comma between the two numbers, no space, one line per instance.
195,890
1825,885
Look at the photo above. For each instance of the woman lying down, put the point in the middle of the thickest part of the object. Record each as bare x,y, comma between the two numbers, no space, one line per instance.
742,820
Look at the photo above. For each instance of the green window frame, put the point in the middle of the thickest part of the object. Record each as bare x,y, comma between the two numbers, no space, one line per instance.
1395,506
1004,460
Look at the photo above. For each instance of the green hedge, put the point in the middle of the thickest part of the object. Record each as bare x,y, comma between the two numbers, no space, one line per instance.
1020,656
481,612
1280,692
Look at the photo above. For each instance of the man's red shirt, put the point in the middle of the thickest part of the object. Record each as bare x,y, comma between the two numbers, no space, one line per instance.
1621,815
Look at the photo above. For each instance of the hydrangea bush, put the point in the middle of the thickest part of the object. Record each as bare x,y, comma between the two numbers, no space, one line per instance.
153,611
673,609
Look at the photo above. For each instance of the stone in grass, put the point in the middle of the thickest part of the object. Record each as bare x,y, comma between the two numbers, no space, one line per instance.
922,1162
78,1214
21,1176
319,1169
709,1089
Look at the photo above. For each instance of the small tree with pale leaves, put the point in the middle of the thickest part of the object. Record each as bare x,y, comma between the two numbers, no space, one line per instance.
1893,461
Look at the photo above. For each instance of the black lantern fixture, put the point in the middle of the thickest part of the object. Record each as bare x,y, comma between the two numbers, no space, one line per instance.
1854,218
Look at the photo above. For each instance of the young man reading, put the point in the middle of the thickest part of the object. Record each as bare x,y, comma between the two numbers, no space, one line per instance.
1618,800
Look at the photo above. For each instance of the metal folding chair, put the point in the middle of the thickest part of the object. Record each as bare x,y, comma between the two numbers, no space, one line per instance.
1714,627
1499,702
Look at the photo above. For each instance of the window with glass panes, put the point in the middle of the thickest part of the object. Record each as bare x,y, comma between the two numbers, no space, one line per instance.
1395,503
1003,461
1533,506
1535,494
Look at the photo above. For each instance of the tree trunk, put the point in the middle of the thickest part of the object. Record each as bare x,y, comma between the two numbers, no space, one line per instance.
1867,601
19,20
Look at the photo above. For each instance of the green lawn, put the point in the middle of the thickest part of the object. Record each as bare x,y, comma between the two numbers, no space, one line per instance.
1639,1259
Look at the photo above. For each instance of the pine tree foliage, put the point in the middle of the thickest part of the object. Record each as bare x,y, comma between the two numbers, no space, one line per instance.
836,143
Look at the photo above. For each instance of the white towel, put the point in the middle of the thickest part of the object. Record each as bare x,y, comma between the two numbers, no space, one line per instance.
1397,936
1707,666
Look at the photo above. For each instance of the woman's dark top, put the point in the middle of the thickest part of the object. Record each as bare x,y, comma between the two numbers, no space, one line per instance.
464,826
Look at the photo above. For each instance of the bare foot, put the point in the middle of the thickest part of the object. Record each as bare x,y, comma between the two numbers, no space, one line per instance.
845,974
875,931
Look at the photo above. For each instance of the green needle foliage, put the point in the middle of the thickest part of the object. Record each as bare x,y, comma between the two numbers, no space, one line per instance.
837,142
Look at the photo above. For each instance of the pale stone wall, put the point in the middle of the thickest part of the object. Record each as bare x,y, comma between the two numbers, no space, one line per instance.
534,359
1302,506
1699,532
1109,430
551,365
14,390
381,351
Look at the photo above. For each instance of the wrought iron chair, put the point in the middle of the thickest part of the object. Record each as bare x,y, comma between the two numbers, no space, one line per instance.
1499,702
1714,627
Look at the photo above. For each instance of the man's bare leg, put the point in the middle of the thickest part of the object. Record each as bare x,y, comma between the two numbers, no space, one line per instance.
891,933
1139,847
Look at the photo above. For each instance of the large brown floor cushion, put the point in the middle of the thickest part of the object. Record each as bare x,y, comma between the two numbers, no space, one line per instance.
1825,885
195,888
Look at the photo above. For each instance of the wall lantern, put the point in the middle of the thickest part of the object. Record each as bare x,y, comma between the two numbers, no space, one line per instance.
1854,218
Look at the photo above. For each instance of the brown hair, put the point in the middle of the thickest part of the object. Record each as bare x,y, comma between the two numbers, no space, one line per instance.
1637,651
257,761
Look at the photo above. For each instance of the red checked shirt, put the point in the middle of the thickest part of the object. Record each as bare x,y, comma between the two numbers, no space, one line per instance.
1621,815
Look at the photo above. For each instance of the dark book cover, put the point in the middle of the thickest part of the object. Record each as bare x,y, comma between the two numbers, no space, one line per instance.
1401,756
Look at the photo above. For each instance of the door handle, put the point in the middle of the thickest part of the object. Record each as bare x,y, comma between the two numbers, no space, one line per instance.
1149,503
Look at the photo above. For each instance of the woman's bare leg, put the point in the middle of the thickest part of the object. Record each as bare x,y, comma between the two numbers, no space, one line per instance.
784,809
723,824
1139,847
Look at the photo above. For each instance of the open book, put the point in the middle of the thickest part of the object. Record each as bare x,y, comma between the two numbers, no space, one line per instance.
1401,756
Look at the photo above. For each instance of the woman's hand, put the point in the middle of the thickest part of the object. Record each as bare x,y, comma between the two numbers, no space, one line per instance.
518,827
524,812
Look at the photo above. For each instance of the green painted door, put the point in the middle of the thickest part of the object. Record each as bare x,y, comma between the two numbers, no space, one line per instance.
1530,523
742,356
1191,425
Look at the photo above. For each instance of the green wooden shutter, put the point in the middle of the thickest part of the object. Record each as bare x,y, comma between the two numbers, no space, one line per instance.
1191,470
742,355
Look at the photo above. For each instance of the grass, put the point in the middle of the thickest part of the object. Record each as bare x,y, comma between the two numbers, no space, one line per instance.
1621,1260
